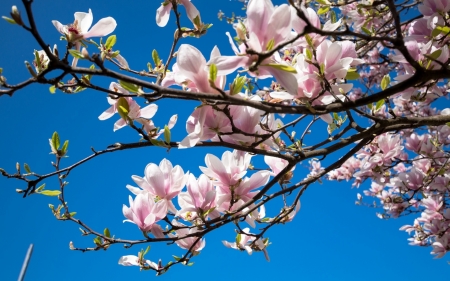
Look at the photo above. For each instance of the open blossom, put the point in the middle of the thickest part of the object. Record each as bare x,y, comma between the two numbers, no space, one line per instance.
135,112
163,12
199,198
267,27
145,213
163,181
244,241
79,29
187,243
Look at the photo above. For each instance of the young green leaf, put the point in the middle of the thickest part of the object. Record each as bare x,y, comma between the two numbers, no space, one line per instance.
52,89
106,232
166,134
27,168
130,87
50,192
76,54
55,141
156,58
11,21
64,148
283,67
123,108
40,188
110,42
385,82
212,73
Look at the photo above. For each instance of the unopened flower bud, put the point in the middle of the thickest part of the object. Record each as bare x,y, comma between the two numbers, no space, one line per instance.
85,53
16,15
55,51
18,167
30,69
20,190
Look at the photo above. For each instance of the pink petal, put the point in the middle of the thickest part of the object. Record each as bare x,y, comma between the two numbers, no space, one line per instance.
149,111
107,113
191,11
102,28
84,20
163,14
59,26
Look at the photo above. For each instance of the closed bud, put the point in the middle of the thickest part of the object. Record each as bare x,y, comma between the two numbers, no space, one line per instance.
55,51
30,69
18,167
20,190
85,53
16,15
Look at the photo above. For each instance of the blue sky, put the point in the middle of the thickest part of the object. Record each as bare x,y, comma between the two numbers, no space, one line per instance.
330,239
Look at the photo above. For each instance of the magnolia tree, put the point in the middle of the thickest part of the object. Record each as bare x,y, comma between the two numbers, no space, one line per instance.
358,81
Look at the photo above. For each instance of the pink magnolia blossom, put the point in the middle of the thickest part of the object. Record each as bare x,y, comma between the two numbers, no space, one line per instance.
131,260
163,181
243,242
163,12
199,198
145,213
192,243
135,111
79,30
267,27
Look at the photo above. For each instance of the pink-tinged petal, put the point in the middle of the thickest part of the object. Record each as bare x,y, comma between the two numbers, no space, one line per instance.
84,20
229,245
256,180
129,260
122,61
127,212
327,118
334,53
102,28
194,137
282,95
134,190
286,79
155,179
258,15
59,26
209,198
279,25
157,231
313,18
233,46
297,23
192,65
214,53
172,121
328,26
149,111
119,124
163,14
193,190
228,64
142,183
348,49
107,113
191,10
216,166
160,209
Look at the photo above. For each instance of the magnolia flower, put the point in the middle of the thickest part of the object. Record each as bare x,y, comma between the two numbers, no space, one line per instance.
79,30
135,111
243,242
163,181
163,12
145,213
187,243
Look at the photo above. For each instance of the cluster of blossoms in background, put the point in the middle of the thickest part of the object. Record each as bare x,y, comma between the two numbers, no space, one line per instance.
408,170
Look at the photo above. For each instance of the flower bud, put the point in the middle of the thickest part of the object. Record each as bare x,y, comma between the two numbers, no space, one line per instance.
16,15
55,51
20,190
85,53
30,69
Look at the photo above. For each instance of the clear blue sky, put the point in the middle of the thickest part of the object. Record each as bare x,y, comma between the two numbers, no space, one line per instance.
330,239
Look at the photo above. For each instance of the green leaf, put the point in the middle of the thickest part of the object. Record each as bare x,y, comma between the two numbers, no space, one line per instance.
238,238
309,41
11,21
436,32
146,250
123,108
366,30
176,258
190,264
156,58
333,16
52,89
55,140
323,10
309,54
167,134
27,168
352,75
385,82
50,192
76,54
237,85
157,142
197,22
270,44
72,214
212,73
379,104
98,240
64,147
40,188
110,42
435,54
37,59
283,67
106,232
130,87
448,124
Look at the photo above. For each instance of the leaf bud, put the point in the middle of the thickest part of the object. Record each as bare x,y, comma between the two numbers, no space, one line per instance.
16,15
30,69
